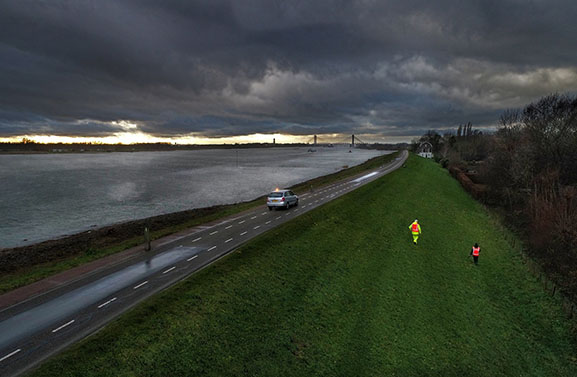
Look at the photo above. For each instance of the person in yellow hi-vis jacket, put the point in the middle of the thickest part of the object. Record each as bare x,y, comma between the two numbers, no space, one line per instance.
416,230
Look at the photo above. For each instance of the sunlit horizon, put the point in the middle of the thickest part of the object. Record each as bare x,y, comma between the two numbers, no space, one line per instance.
142,138
128,138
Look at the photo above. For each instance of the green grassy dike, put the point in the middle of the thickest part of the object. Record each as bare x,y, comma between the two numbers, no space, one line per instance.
342,291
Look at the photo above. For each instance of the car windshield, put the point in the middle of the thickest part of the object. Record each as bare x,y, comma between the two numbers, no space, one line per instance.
275,195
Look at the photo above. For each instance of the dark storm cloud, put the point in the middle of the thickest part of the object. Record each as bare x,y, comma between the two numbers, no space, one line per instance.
222,68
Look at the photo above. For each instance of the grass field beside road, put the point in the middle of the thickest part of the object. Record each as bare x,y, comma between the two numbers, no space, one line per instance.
343,291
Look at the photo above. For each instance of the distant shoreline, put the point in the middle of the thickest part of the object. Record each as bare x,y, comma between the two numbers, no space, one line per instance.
36,148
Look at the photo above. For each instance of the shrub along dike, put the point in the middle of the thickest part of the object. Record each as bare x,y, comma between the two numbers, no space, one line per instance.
342,291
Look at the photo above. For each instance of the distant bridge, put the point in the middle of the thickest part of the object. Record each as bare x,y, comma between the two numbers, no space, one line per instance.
352,142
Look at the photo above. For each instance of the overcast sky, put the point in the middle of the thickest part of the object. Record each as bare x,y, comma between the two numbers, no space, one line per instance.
218,68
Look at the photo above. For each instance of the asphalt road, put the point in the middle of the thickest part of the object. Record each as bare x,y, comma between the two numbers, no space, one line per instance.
33,330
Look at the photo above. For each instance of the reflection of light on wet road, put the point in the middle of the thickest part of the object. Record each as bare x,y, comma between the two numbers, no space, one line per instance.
364,177
47,314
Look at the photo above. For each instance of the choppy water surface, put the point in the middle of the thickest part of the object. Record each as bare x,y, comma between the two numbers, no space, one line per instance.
50,195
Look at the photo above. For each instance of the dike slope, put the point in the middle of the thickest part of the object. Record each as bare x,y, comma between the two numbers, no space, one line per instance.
342,291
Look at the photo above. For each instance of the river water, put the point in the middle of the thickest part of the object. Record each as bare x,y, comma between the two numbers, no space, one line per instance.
51,195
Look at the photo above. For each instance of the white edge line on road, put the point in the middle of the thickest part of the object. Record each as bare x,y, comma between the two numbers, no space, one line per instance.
212,248
243,233
197,239
63,326
228,227
191,258
240,222
140,285
215,232
10,355
106,303
170,269
227,241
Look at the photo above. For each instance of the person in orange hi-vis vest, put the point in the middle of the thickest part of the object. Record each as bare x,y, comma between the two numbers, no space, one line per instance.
416,230
475,253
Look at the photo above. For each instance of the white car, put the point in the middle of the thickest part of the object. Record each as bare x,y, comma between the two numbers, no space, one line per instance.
281,199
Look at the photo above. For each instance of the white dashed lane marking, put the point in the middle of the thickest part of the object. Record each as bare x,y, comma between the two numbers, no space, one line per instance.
63,326
141,284
228,227
106,303
212,248
10,355
252,218
243,233
191,258
278,217
256,227
268,222
227,241
240,222
215,232
170,269
197,239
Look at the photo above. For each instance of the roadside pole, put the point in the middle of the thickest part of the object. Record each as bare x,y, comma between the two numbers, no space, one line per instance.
147,239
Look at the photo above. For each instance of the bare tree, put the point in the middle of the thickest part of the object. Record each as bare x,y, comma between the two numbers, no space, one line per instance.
551,125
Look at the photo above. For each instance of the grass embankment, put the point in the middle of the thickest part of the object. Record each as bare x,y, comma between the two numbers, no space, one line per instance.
31,274
343,291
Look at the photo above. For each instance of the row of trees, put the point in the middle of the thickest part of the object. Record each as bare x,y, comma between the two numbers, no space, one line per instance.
530,168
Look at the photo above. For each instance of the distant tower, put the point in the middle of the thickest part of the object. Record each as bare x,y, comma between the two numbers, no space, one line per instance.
353,140
315,143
